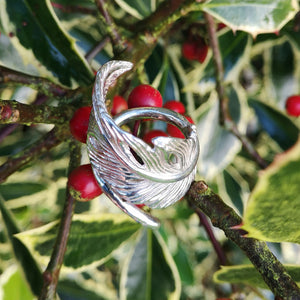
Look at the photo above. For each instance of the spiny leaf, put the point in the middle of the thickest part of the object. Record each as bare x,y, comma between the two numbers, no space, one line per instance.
92,238
247,274
273,211
253,16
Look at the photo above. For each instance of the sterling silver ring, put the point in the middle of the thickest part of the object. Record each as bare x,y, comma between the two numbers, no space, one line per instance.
129,171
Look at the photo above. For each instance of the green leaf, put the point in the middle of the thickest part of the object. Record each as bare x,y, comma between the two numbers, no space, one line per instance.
29,266
253,16
247,274
13,286
273,210
218,146
92,238
35,27
277,125
136,8
150,272
16,190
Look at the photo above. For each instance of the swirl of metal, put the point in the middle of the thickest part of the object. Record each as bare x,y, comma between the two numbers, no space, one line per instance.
129,171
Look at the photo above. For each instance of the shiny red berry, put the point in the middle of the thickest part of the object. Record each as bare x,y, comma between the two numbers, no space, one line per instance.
175,106
83,181
175,131
152,134
80,122
144,96
119,104
292,105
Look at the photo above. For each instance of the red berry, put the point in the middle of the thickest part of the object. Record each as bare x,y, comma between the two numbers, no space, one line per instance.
119,104
175,106
175,131
82,180
292,105
80,122
152,134
144,96
221,26
195,49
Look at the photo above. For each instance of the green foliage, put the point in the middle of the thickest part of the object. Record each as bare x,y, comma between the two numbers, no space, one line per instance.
272,213
108,255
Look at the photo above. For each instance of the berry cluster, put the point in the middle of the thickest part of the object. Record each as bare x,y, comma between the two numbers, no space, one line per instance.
81,180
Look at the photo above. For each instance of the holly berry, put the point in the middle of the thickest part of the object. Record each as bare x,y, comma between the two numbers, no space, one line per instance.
152,134
144,95
118,104
195,49
175,106
80,122
175,131
292,105
82,180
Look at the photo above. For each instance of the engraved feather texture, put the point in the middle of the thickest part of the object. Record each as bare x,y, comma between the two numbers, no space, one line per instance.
160,176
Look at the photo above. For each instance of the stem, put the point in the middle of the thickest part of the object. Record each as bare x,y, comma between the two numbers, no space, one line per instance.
52,271
94,51
224,115
12,111
41,84
47,142
74,9
200,196
204,222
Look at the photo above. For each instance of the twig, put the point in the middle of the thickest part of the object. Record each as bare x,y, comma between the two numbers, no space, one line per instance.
52,271
224,115
43,85
200,196
74,9
204,222
47,142
118,42
7,130
94,51
12,111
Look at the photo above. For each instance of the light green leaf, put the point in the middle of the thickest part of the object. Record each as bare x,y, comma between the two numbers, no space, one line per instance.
13,286
92,238
253,16
218,147
27,262
151,272
136,8
35,30
247,274
273,211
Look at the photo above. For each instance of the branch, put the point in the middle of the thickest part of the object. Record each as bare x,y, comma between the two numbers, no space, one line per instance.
12,111
51,274
224,115
41,84
47,142
200,196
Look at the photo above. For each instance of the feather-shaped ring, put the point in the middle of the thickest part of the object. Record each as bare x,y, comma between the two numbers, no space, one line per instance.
129,171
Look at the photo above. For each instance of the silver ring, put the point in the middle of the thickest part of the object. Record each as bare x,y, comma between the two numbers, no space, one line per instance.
129,171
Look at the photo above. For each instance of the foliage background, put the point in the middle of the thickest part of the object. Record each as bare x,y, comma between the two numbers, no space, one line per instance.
109,256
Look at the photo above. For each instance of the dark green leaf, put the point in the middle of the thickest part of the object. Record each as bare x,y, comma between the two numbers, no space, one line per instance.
29,266
277,125
16,190
136,8
151,272
273,210
35,27
253,16
247,274
92,238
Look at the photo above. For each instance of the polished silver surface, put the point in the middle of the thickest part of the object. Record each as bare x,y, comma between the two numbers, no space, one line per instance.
129,171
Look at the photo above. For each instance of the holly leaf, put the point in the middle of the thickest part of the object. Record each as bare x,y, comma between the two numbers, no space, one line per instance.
247,274
273,210
277,125
92,238
136,8
251,16
35,31
150,272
